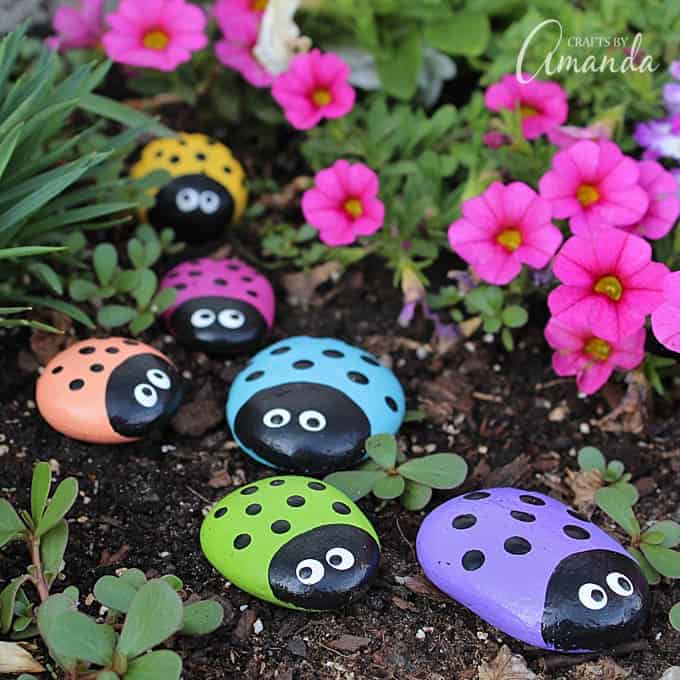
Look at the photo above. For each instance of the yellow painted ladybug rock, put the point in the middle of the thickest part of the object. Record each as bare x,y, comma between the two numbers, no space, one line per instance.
208,190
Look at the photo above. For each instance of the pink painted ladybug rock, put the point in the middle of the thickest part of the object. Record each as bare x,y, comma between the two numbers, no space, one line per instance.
108,391
223,306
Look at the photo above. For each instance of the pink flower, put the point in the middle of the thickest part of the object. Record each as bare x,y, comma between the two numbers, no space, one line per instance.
79,26
314,87
236,49
232,9
565,136
542,105
503,228
594,185
159,34
581,352
664,203
610,283
343,203
666,318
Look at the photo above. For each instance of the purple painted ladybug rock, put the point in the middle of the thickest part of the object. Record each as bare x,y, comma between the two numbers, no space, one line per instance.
533,568
223,306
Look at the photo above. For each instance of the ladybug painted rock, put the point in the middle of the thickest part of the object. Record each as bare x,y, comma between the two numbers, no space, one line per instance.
108,391
535,569
293,541
308,404
222,307
208,190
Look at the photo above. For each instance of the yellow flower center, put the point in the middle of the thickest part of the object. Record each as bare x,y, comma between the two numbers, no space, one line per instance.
354,208
510,239
587,195
156,40
259,5
610,286
598,349
321,97
525,111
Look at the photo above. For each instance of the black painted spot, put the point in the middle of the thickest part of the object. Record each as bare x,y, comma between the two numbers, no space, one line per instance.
112,350
248,490
575,532
200,156
280,350
130,342
247,279
253,509
303,364
183,142
341,508
254,376
370,360
516,545
76,384
57,369
220,282
333,353
391,404
476,496
233,267
252,293
220,512
277,482
316,486
181,286
280,526
97,368
87,350
473,560
295,501
531,500
159,154
357,377
242,541
523,516
174,159
195,273
464,521
227,169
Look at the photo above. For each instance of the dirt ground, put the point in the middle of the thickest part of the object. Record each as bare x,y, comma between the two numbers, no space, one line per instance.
142,504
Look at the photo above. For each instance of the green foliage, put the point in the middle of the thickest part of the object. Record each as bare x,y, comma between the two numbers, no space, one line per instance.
612,474
389,475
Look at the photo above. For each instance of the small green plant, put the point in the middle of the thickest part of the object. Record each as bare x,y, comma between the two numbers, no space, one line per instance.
388,474
612,474
141,614
109,287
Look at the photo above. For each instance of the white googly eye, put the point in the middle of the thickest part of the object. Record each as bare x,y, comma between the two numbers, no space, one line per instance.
159,379
202,318
592,596
231,319
620,584
340,558
309,572
145,395
187,200
209,202
276,417
312,421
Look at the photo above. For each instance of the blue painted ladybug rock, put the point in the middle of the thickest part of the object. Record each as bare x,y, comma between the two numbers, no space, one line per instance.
535,569
293,541
308,404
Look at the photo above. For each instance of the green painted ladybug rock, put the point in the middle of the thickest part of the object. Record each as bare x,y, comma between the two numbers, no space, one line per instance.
293,541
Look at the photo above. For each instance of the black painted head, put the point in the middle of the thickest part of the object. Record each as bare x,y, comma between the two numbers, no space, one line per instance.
142,394
324,568
595,600
218,325
197,207
305,427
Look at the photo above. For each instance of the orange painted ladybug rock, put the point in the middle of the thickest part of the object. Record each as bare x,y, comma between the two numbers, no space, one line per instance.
108,391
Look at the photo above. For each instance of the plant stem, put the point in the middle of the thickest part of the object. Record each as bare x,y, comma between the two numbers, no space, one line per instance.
39,579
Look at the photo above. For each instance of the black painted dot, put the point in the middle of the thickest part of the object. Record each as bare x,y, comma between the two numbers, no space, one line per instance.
341,508
174,159
578,533
531,500
227,169
316,486
159,154
248,490
358,378
473,560
247,279
87,350
195,273
181,286
220,512
333,353
76,384
476,495
112,350
147,391
335,560
295,501
253,509
305,572
391,404
97,368
464,521
370,360
277,482
233,267
130,342
303,363
252,293
242,541
254,376
183,142
597,595
280,350
220,282
172,275
57,369
200,156
577,515
280,526
523,516
516,545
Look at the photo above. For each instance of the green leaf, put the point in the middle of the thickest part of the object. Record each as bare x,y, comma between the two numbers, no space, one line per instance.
108,675
108,108
112,316
148,282
28,251
615,470
27,676
507,339
126,281
202,618
53,546
81,290
154,615
7,147
515,316
590,458
399,66
60,503
40,490
164,300
438,471
49,614
115,593
7,598
355,483
11,525
105,261
162,664
173,581
141,322
652,537
652,575
466,33
47,275
382,448
77,636
388,487
416,496
674,616
59,305
135,577
135,250
615,503
670,531
664,560
628,491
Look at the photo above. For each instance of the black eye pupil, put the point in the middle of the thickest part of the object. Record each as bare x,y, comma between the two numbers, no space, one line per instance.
624,584
146,391
305,572
277,419
335,560
313,422
598,596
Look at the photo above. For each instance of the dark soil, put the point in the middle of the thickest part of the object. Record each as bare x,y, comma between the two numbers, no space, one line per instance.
145,501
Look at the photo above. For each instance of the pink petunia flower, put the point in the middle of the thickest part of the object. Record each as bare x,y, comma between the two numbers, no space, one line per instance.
343,204
314,87
503,228
240,37
666,317
542,105
609,281
158,34
77,27
565,136
581,352
664,203
234,8
594,185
